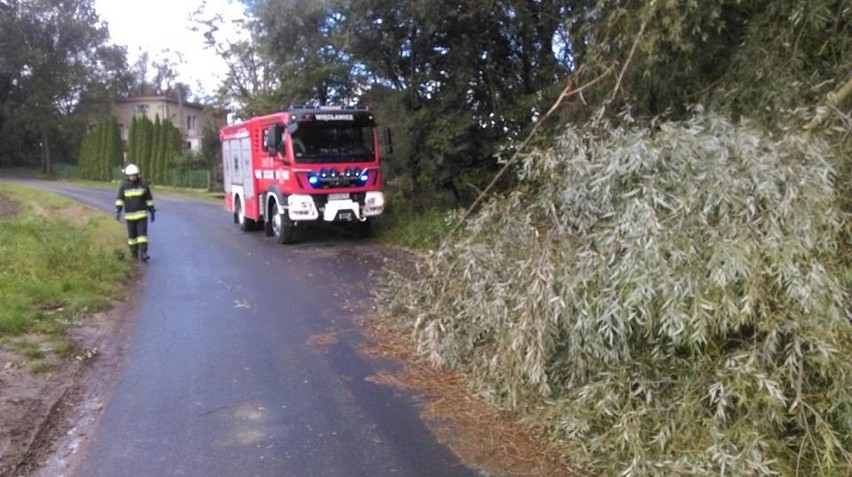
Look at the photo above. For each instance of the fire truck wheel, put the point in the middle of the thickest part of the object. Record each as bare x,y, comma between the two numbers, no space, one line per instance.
244,222
283,229
361,230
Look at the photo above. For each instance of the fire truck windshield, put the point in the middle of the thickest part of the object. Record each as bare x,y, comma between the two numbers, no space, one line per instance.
322,142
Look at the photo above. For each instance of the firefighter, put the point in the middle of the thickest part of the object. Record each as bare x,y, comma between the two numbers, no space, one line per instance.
135,198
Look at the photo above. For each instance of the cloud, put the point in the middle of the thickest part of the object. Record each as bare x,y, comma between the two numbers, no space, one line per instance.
157,25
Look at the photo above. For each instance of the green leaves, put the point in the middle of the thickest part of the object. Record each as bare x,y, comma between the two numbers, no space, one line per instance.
50,58
667,296
101,151
154,146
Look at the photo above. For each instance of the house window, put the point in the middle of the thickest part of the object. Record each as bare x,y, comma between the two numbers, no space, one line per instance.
191,123
140,108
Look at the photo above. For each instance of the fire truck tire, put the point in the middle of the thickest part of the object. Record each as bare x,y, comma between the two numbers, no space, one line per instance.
246,224
267,223
283,229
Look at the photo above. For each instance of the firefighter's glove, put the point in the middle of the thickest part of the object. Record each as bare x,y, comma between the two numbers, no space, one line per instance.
151,213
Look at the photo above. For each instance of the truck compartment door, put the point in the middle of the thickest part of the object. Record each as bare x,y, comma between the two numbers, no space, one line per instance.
246,166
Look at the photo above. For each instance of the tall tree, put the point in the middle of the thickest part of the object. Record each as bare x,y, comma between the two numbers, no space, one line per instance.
146,147
102,160
133,141
251,81
461,82
478,73
114,153
83,157
153,170
50,49
305,41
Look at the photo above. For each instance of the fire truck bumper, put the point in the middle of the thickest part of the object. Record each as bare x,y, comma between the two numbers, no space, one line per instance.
302,208
374,204
341,211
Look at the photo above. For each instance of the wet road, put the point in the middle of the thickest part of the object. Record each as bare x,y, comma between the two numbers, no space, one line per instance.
221,379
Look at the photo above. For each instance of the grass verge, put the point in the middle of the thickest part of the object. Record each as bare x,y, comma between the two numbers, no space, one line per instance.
58,260
405,227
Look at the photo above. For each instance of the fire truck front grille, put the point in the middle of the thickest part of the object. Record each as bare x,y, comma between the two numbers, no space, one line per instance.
334,179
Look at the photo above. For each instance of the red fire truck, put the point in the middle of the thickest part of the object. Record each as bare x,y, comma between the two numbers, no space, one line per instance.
303,166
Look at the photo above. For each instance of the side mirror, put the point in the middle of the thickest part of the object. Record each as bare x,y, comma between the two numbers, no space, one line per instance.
274,139
387,140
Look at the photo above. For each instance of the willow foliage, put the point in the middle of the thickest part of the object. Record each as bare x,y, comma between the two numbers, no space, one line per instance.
668,296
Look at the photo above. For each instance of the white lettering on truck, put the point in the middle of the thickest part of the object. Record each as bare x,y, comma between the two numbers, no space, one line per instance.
335,117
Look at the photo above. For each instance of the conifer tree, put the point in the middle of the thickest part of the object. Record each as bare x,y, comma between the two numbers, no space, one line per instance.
103,152
117,158
96,151
132,141
175,147
83,157
146,148
153,170
113,150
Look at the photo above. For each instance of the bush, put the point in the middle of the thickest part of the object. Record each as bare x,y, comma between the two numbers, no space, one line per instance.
668,297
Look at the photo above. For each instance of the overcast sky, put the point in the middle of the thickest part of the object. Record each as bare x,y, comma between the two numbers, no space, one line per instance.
130,24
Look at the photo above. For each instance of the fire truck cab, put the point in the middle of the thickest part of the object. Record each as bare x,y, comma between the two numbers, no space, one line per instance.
303,166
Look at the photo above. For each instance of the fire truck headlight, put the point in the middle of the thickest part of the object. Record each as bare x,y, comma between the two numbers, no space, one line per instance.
375,200
365,176
301,207
313,180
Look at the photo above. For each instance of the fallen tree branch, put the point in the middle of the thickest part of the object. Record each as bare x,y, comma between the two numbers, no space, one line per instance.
633,49
566,93
831,103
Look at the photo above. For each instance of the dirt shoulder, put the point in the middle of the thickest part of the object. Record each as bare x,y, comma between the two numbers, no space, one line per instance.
42,414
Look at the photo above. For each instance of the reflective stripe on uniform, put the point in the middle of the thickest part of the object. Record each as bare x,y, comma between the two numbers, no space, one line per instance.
134,193
141,239
150,203
133,241
135,215
119,203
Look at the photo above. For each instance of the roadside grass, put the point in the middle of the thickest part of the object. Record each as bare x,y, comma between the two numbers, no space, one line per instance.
403,226
59,260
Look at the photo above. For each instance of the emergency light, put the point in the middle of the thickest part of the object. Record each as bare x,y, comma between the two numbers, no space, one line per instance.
315,179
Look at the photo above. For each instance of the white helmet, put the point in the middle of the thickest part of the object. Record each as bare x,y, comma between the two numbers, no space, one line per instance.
131,170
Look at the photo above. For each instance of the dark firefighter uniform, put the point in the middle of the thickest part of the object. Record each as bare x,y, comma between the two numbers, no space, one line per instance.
136,200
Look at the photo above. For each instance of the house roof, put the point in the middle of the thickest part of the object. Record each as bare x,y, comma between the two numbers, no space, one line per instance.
166,99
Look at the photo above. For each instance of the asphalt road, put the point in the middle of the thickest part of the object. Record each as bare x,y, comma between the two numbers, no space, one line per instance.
222,378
